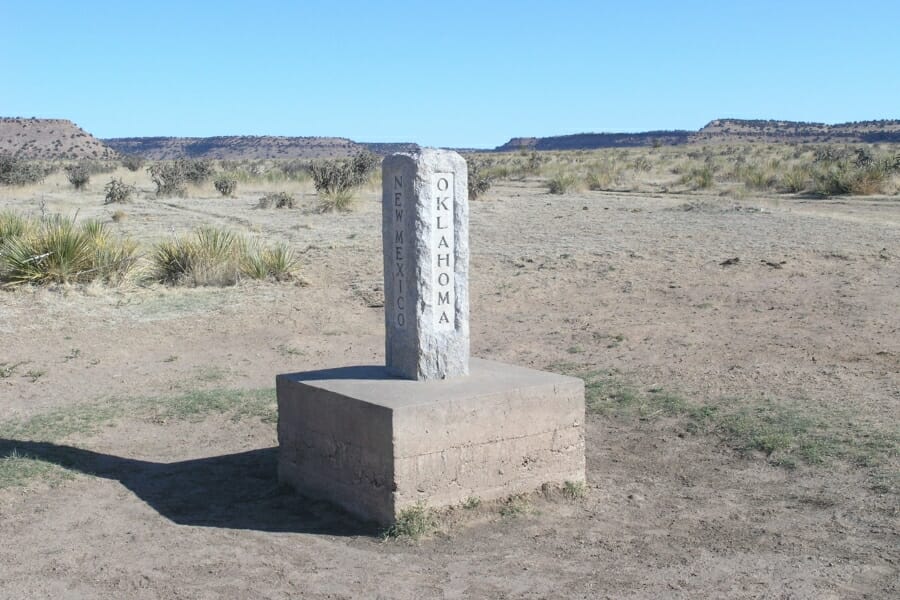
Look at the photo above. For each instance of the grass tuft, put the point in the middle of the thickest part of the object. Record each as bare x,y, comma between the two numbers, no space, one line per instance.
413,523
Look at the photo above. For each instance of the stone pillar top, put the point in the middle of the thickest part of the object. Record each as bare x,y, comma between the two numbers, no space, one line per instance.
425,234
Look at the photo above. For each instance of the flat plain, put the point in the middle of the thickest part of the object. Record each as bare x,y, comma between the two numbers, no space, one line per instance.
742,360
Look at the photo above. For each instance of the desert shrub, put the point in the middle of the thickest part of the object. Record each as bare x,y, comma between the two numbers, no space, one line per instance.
213,256
196,171
479,179
862,176
294,169
795,179
829,180
133,162
561,182
604,176
642,164
117,191
57,250
14,171
78,175
99,167
758,178
413,522
276,200
226,185
336,180
699,178
533,162
169,178
363,165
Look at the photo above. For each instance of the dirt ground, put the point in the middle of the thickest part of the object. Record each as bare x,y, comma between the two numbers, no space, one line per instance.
631,283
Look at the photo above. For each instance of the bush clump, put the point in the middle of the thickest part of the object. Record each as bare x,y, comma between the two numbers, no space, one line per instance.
78,175
561,183
169,178
479,180
336,180
197,171
57,250
276,200
14,171
133,162
213,256
226,185
117,191
699,178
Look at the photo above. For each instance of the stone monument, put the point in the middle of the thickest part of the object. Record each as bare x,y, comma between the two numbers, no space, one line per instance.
425,233
431,425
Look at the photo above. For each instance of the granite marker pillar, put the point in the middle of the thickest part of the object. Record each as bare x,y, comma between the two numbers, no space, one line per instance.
425,232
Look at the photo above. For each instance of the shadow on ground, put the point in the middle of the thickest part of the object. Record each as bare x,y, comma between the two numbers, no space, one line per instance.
236,491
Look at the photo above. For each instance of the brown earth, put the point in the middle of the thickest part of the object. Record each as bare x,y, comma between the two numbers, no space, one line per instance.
190,508
50,139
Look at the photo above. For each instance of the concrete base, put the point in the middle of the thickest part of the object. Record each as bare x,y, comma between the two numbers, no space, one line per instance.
375,444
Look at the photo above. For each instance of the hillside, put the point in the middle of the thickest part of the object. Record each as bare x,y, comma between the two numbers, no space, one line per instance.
797,132
49,138
235,147
598,140
721,131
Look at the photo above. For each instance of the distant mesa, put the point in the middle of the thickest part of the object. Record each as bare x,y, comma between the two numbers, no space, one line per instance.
720,131
46,139
241,147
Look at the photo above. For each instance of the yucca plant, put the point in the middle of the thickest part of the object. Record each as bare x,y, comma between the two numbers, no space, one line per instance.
13,225
173,259
209,256
59,251
340,200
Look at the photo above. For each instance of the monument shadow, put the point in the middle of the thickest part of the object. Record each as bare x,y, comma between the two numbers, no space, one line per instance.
234,491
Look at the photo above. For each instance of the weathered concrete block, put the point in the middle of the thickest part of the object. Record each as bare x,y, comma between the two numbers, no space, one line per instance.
425,233
376,444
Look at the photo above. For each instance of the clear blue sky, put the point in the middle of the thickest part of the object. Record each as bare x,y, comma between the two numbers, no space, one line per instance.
455,73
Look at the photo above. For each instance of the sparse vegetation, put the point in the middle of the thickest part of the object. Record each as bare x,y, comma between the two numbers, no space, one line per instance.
117,191
699,178
479,181
14,171
19,468
133,162
226,185
515,506
57,250
336,180
78,175
276,200
562,182
471,503
574,490
213,256
169,177
785,433
414,523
